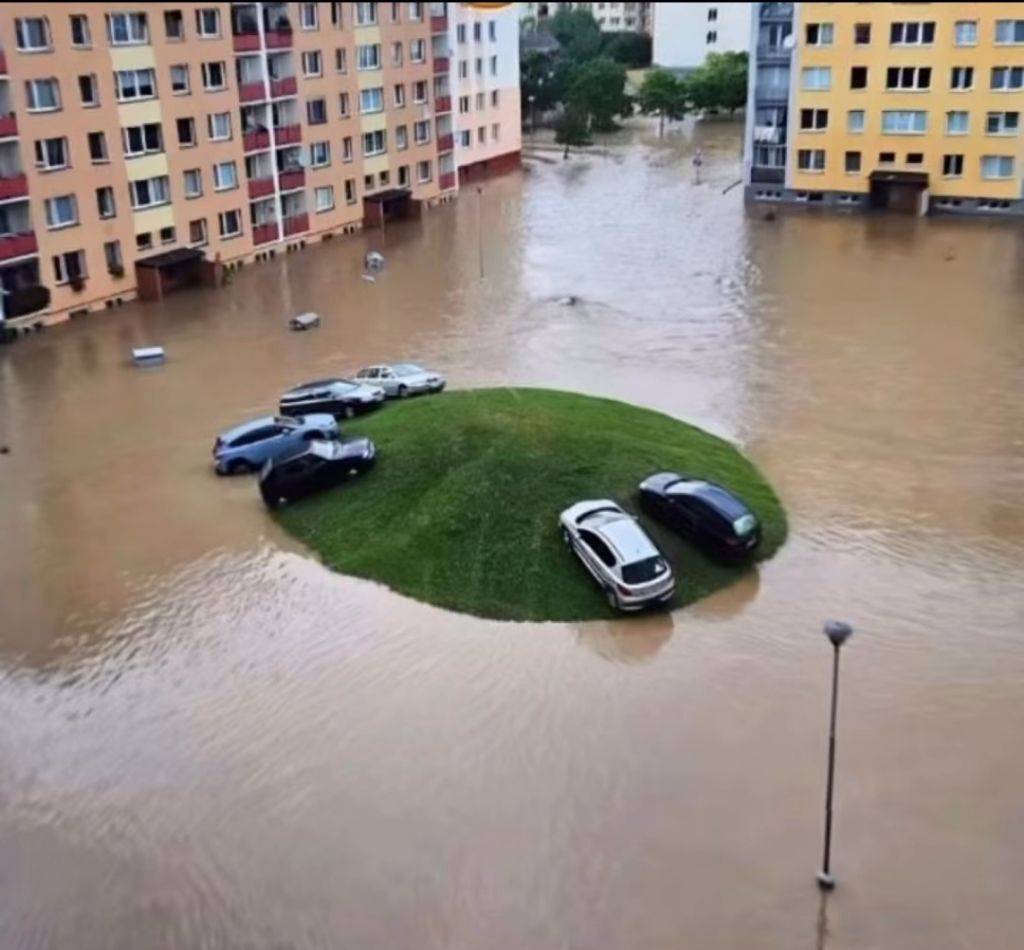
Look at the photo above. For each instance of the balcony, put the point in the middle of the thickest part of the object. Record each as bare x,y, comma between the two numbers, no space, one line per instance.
773,52
287,86
441,65
442,104
18,245
439,24
8,125
264,233
771,95
260,187
292,179
15,186
447,181
776,11
768,134
763,175
296,224
445,143
278,39
252,91
287,134
251,141
246,42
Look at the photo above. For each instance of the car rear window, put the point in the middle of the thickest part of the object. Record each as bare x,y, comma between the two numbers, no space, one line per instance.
646,570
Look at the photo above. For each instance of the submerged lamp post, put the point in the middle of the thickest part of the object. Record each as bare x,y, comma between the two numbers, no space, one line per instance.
837,632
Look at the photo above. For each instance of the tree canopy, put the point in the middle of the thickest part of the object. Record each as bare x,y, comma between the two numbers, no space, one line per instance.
598,89
719,83
663,95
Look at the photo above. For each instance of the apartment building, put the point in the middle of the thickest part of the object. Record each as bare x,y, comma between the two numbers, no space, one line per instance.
611,17
145,146
913,107
685,33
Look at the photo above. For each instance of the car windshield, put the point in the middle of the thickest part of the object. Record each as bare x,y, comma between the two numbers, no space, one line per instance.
407,369
646,570
744,524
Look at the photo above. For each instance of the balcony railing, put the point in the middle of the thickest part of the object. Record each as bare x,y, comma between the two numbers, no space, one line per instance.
776,11
296,224
773,51
441,64
18,245
287,86
442,104
278,39
445,143
252,91
286,134
14,186
245,42
295,178
439,24
771,95
264,233
447,181
259,187
8,125
255,140
768,134
767,176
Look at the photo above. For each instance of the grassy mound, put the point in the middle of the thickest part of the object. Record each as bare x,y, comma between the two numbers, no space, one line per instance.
462,507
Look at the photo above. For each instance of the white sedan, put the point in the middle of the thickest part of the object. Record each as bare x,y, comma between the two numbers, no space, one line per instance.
402,379
623,560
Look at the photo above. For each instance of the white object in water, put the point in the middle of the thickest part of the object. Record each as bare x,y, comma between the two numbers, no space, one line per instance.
370,278
374,262
305,321
148,355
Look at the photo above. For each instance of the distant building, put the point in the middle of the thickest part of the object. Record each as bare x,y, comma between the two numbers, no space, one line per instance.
611,17
684,33
912,107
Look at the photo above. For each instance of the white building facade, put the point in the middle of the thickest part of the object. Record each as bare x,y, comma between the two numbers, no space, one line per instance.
611,17
684,33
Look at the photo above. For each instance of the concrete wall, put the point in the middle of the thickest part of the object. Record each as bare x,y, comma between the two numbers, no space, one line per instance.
684,33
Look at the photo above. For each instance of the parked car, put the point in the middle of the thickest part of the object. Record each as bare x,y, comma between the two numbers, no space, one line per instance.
316,466
623,560
402,379
339,397
710,515
246,447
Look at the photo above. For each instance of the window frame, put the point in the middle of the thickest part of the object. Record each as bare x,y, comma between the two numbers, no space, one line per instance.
50,202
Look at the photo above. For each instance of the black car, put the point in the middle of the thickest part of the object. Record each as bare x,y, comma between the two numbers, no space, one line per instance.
706,513
318,466
339,397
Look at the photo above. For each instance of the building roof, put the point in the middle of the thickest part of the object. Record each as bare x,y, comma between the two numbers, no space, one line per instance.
170,258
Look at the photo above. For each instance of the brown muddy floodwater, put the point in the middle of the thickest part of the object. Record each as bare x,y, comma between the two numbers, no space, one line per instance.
208,740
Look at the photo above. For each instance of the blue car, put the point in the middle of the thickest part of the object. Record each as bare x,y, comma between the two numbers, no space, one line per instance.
246,447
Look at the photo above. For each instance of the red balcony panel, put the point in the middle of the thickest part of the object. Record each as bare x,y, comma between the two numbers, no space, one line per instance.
296,224
252,91
278,39
264,233
260,187
16,186
254,140
447,181
439,24
445,143
443,104
283,87
18,245
287,134
8,125
246,42
441,64
292,179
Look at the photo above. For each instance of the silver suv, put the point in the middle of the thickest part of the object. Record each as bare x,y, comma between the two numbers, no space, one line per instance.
624,561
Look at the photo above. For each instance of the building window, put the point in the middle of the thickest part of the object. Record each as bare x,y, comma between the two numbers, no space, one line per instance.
952,166
463,69
346,148
225,176
403,176
218,125
366,14
402,137
312,63
316,110
904,122
465,138
399,95
89,90
396,16
492,26
820,34
711,37
193,183
371,100
230,223
495,131
915,158
886,158
186,132
858,77
1009,31
810,159
343,104
112,255
478,65
80,34
418,51
851,163
1002,123
179,80
956,123
42,95
416,12
911,34
855,121
374,143
368,56
323,198
421,132
142,139
481,134
424,172
308,17
861,34
131,84
340,60
51,154
419,91
61,212
463,105
197,231
1007,77
319,154
174,25
477,32
167,235
494,65
69,267
350,191
105,204
481,100
208,22
961,77
396,53
143,242
214,76
817,78
149,192
996,166
908,77
98,147
32,34
965,33
813,120
460,33
127,28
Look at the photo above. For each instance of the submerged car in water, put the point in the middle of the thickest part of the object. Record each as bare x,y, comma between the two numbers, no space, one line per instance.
706,513
318,466
623,560
339,397
246,447
402,379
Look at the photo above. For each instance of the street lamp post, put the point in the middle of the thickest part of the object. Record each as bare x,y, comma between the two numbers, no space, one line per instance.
533,116
837,632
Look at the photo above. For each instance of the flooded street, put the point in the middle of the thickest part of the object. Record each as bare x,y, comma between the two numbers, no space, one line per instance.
209,740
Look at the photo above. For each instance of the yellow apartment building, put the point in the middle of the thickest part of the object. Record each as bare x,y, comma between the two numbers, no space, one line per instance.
908,106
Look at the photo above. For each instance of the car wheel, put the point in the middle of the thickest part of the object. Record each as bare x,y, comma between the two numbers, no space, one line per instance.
403,391
239,467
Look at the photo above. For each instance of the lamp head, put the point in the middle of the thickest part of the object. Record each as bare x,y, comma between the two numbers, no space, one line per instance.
838,632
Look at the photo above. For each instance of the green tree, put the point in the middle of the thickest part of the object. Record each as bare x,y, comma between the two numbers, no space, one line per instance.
663,95
578,32
571,129
719,83
540,79
630,49
598,90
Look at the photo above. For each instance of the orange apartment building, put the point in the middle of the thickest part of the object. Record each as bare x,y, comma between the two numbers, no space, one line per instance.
146,146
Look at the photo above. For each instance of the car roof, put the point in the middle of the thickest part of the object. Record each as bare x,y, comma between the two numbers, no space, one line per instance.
245,427
723,501
627,538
